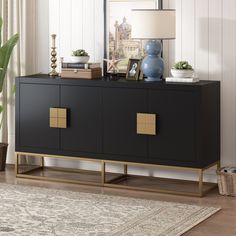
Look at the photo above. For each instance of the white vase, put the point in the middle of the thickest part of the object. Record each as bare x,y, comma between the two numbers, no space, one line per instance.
80,59
182,73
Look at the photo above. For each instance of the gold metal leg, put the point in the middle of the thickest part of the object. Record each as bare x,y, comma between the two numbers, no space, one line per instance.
108,180
42,161
29,174
218,165
103,172
125,169
17,164
200,184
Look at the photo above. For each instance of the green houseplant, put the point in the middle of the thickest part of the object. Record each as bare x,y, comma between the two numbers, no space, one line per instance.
5,54
80,56
182,69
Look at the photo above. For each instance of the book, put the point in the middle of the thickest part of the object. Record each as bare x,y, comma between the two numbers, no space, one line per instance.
182,80
94,73
80,65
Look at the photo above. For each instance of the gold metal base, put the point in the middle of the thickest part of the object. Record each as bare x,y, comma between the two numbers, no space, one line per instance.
108,179
53,73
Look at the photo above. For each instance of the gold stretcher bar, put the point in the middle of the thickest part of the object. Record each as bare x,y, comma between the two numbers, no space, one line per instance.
113,182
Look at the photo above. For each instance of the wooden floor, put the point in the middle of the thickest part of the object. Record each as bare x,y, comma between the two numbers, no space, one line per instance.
222,223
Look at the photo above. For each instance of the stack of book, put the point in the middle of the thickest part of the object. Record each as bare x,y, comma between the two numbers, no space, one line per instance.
183,80
81,70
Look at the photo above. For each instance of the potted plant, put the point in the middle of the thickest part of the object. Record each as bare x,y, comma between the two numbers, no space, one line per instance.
80,56
5,54
182,69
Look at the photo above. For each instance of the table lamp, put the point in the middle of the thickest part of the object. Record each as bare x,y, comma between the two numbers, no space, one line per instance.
154,25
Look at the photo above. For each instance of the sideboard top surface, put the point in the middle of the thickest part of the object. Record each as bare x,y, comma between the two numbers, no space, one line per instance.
106,82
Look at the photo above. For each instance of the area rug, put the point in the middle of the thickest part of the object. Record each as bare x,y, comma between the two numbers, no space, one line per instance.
35,211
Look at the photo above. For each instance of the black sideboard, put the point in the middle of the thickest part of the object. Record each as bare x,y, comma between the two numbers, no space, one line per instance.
128,121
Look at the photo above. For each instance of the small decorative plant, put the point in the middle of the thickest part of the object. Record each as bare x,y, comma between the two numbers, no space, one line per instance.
182,65
80,56
182,69
5,54
80,53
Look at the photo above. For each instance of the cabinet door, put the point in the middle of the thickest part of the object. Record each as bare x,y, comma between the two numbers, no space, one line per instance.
35,101
120,107
84,132
176,126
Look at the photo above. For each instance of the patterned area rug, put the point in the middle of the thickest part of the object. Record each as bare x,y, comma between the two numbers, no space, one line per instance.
35,211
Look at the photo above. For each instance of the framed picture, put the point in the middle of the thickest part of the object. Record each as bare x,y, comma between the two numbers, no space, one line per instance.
118,31
141,76
133,69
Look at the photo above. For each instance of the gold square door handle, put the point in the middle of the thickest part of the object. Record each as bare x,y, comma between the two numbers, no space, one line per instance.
61,113
62,123
53,122
146,123
53,112
58,117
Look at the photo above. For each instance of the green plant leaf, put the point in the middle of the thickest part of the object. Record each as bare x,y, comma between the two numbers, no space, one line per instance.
14,89
1,112
5,54
0,31
182,65
79,53
1,109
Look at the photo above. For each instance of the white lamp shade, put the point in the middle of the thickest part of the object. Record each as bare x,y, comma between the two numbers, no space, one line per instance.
153,24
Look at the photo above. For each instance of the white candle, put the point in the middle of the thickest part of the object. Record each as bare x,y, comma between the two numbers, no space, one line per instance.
53,40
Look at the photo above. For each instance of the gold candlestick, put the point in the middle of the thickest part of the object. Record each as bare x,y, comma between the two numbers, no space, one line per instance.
53,57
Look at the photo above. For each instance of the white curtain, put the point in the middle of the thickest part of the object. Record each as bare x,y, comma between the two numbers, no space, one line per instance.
19,16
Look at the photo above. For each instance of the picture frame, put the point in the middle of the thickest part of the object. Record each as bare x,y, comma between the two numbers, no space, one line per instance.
118,40
133,69
141,76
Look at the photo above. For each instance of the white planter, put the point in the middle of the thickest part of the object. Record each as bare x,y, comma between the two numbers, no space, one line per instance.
182,73
77,59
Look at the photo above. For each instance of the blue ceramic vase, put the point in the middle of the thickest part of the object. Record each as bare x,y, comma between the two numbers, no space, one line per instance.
153,65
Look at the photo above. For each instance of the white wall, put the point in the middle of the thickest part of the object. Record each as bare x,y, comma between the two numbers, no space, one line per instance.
206,37
42,39
78,24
